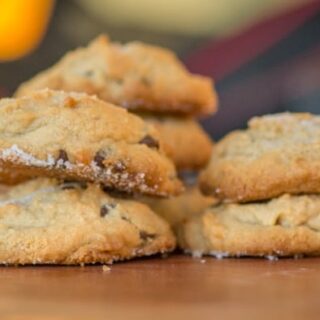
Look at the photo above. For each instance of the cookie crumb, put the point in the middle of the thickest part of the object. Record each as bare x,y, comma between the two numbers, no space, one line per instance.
106,208
105,268
150,141
99,158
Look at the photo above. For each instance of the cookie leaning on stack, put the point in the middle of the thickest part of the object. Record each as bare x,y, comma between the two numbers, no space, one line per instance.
272,171
77,137
141,78
284,226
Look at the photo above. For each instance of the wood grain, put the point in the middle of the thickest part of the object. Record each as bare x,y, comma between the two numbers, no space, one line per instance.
179,287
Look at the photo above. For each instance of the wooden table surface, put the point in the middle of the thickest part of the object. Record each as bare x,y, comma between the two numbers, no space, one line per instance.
179,287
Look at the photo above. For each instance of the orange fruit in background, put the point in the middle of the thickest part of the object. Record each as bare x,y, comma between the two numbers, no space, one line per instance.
22,26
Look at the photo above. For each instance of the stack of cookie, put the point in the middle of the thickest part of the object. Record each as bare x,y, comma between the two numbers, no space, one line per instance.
97,164
86,153
152,83
268,179
147,80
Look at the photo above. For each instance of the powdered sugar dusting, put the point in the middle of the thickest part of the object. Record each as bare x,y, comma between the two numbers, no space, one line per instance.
110,176
26,158
64,164
124,180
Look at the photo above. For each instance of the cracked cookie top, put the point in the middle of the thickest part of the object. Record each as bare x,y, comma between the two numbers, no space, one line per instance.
135,76
276,154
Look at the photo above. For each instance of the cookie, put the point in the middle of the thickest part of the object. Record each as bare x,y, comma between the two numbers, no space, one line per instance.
178,209
136,76
185,142
45,222
11,177
76,136
277,154
284,226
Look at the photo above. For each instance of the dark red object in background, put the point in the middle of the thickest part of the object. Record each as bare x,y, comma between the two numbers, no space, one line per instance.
271,67
224,57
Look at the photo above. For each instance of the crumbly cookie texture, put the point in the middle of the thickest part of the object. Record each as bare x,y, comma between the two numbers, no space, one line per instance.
285,226
179,209
43,221
76,136
184,141
277,154
134,75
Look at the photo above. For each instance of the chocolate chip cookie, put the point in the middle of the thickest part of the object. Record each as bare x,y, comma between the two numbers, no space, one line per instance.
76,136
277,154
44,221
284,226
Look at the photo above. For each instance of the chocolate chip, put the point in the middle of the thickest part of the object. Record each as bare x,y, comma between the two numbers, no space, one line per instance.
150,142
62,158
145,236
62,155
99,158
105,209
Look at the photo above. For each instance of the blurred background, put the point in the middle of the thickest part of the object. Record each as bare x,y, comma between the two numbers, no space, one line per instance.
263,55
